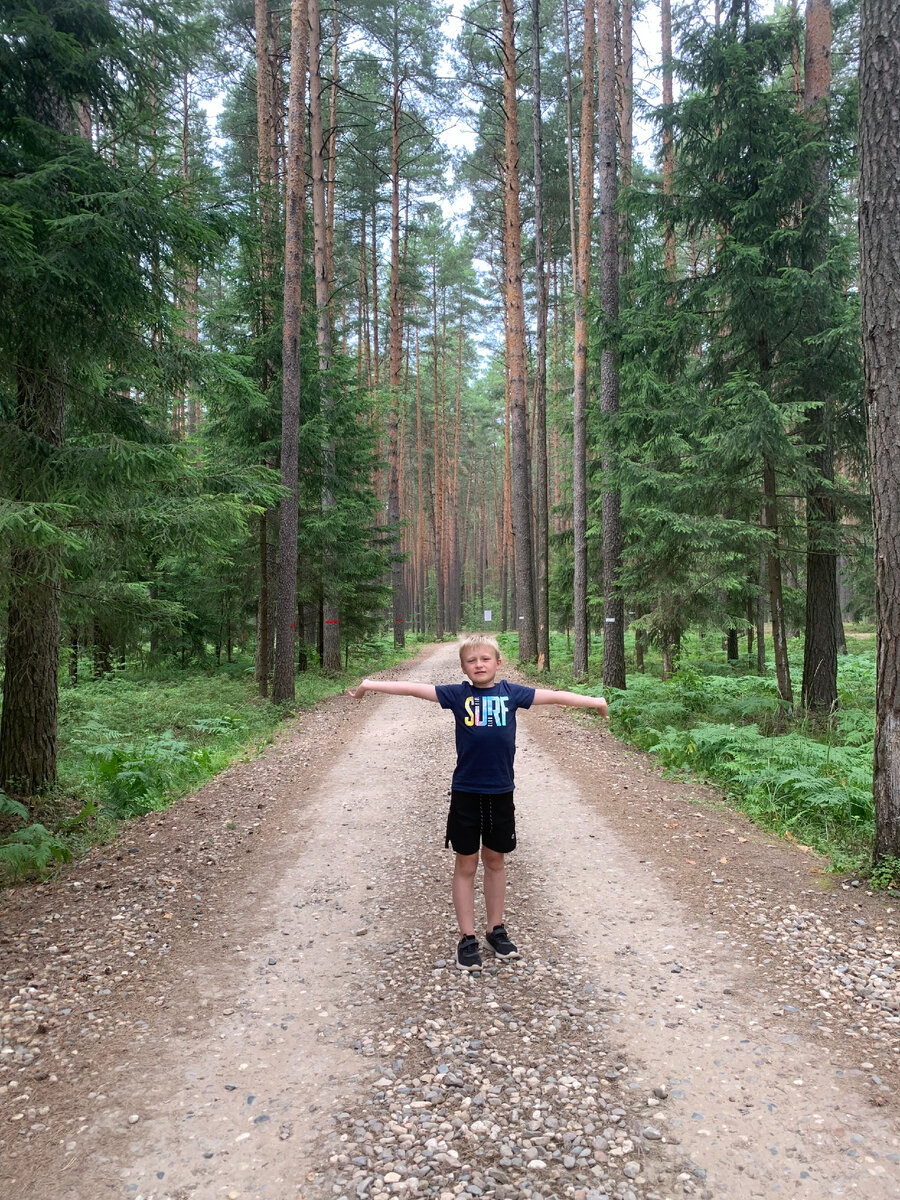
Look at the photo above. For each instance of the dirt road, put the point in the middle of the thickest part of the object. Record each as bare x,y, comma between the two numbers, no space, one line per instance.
254,996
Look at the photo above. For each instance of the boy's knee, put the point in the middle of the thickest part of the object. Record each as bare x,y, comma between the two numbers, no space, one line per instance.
466,864
493,860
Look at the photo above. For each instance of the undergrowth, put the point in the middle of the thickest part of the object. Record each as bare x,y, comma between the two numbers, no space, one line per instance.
134,742
809,780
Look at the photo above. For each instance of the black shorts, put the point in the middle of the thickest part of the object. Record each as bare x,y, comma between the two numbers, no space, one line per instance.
478,818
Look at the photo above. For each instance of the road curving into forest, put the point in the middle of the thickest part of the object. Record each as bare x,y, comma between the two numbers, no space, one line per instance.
253,994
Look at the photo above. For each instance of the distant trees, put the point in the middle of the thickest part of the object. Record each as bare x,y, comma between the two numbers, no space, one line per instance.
741,313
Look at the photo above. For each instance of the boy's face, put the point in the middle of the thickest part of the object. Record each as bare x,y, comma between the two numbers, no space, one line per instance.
480,665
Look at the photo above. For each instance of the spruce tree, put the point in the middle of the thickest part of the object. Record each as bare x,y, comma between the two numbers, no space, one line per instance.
87,239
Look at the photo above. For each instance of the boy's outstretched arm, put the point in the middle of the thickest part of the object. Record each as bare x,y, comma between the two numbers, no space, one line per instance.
394,687
572,699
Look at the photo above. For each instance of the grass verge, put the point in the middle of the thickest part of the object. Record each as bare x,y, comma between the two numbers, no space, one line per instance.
719,722
134,742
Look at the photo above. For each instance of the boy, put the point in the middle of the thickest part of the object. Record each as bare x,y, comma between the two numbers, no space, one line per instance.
481,801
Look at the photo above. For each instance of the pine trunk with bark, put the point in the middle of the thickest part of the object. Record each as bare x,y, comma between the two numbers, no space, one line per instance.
395,353
516,348
266,149
331,634
286,613
29,715
607,195
879,227
28,730
625,90
819,688
437,521
421,540
582,273
761,617
776,589
542,520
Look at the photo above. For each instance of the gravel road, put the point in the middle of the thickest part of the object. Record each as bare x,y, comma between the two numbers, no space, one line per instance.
253,994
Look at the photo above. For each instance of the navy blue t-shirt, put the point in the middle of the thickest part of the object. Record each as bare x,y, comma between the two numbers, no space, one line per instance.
485,733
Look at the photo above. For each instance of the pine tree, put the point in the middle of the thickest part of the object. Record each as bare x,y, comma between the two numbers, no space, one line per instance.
283,681
516,351
582,275
879,224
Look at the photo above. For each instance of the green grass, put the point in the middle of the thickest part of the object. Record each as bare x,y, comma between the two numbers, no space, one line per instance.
720,722
136,741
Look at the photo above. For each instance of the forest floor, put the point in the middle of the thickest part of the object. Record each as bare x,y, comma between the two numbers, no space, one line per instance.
252,994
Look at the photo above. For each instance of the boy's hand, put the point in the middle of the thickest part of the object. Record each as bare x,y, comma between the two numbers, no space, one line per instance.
603,708
359,691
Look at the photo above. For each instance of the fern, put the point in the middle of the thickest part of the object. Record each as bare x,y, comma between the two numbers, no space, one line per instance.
216,726
31,849
12,808
793,777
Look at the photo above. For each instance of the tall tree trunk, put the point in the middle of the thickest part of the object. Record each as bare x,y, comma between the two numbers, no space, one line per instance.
376,353
421,553
265,154
582,272
879,226
761,616
570,149
283,681
395,353
819,689
613,603
516,349
188,416
263,607
542,520
331,634
28,730
331,190
839,634
732,652
266,167
456,571
625,91
668,143
795,54
509,547
776,591
438,513
364,291
276,106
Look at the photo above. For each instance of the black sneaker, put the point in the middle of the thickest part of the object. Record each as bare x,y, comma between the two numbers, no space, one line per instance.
467,955
499,942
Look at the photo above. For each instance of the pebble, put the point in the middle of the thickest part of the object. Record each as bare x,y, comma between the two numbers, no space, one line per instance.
503,1085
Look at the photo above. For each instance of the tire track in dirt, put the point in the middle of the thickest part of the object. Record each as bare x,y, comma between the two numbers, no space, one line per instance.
636,1052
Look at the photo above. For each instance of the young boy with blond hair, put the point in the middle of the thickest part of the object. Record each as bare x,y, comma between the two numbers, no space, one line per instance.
482,812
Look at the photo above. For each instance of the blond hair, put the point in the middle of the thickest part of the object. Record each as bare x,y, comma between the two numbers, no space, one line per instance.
474,640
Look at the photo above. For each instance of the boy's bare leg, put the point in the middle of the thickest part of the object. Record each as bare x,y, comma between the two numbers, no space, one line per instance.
464,892
494,885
